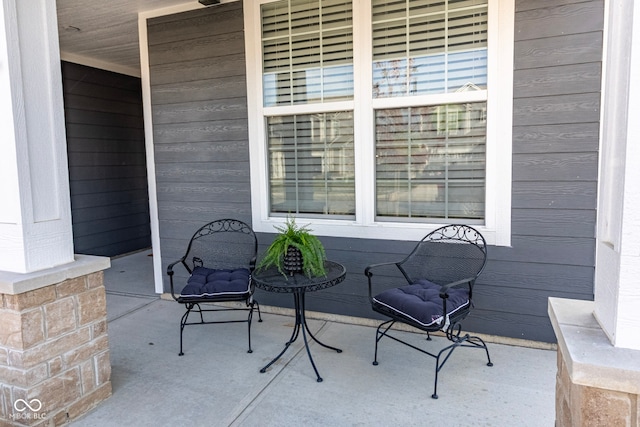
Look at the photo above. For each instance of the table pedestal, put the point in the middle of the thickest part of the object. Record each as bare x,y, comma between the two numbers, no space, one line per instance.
301,324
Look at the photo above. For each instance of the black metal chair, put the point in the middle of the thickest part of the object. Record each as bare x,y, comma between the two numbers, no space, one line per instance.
440,273
220,260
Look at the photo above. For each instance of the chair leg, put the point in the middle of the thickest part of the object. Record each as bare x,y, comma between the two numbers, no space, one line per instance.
466,341
252,304
183,322
452,334
440,365
258,307
479,342
195,307
200,311
249,326
379,335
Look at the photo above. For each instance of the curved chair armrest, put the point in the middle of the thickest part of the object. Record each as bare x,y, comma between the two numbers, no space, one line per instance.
368,272
445,288
170,274
445,295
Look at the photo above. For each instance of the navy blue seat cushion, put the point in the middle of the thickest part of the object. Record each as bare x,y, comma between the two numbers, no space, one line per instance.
206,282
421,302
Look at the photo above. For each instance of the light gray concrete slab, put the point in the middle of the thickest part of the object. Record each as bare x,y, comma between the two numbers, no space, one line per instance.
517,390
119,305
217,383
131,274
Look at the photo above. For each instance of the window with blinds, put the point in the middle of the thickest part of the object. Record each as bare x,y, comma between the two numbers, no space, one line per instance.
311,164
307,51
420,135
429,141
430,162
428,46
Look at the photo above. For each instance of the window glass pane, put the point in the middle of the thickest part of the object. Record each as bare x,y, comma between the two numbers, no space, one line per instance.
430,162
429,46
307,51
311,164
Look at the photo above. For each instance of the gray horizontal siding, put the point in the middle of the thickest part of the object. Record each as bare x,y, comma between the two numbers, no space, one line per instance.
556,195
195,25
199,96
107,162
558,138
198,90
537,20
558,52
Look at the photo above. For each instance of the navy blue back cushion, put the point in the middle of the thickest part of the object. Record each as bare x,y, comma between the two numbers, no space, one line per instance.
206,282
421,301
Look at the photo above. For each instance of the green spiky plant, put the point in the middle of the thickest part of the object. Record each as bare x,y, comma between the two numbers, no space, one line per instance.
290,234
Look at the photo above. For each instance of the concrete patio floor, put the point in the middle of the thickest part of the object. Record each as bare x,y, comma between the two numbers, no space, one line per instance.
217,383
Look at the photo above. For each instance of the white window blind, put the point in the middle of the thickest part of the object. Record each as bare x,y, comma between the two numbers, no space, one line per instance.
307,51
428,46
311,164
430,162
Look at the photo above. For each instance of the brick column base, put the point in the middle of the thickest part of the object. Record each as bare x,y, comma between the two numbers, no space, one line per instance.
584,406
596,384
54,352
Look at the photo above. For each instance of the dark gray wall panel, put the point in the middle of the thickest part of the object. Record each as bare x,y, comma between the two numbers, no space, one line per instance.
200,90
545,110
539,277
558,19
195,192
555,167
187,216
212,130
556,222
562,138
107,162
563,80
228,173
200,151
93,213
199,109
554,195
106,105
567,49
201,69
195,25
202,47
225,109
522,326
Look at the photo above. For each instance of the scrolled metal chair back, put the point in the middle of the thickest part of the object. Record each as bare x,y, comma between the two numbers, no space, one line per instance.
224,243
446,255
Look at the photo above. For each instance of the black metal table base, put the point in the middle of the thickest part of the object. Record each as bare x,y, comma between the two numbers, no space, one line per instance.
301,324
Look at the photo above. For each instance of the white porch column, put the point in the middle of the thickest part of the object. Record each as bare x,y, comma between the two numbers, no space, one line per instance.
617,281
35,208
54,348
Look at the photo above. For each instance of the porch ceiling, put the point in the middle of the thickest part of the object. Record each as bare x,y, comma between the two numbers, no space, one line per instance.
107,31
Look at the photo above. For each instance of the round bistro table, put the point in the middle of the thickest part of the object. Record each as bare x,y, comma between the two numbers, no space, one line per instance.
298,284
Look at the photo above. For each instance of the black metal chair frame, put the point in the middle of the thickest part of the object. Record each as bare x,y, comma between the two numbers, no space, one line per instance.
193,304
449,325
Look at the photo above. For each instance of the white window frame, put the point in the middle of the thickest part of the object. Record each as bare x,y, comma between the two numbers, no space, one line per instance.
497,226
